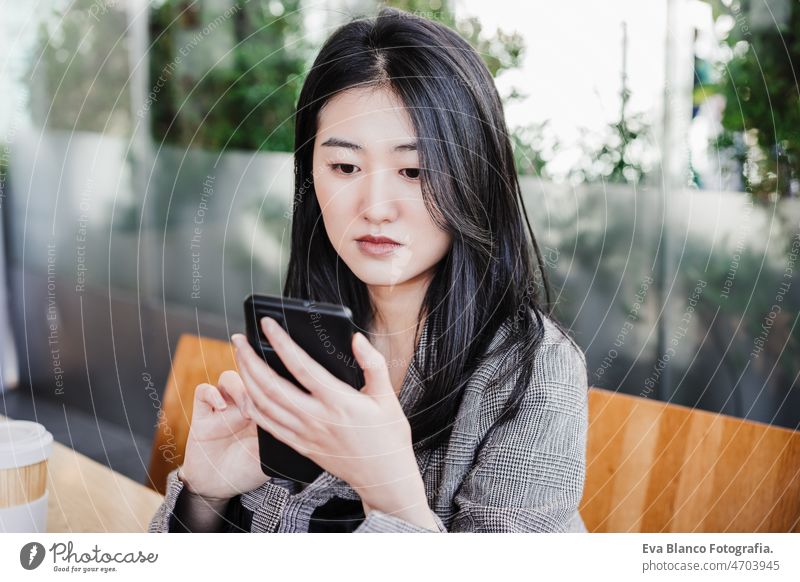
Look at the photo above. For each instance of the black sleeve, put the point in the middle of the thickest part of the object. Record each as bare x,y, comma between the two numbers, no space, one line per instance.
194,514
238,518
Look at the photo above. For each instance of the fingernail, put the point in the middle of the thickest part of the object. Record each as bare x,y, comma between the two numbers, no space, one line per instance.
221,404
269,323
237,339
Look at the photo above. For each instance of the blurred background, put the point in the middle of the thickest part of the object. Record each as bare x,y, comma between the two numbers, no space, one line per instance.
146,188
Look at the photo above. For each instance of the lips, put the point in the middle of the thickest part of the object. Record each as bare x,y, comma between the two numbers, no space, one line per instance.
377,246
378,240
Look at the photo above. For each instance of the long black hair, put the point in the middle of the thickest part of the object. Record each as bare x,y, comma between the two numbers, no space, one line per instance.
493,273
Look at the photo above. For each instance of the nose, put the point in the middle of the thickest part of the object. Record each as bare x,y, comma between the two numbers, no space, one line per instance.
378,198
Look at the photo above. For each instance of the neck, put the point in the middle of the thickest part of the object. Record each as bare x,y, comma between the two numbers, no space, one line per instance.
397,307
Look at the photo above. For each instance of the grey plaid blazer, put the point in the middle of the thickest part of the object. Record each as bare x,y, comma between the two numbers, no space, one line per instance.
528,477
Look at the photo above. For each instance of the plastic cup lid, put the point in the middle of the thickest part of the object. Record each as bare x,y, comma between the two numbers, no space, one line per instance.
23,443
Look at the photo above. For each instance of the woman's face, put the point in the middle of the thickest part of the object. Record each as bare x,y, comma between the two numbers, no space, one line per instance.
366,178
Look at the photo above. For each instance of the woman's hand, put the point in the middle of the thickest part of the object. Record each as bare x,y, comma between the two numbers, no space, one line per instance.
362,437
221,457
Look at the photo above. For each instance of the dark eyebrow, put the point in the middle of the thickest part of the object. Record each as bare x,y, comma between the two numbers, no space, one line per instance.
335,142
406,147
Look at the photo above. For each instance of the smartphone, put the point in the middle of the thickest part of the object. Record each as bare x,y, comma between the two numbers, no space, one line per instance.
325,331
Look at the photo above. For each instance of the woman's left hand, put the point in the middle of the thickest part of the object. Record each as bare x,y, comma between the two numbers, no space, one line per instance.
363,437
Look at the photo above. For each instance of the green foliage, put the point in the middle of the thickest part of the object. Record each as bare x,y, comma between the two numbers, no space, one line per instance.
534,146
618,157
244,99
759,83
501,52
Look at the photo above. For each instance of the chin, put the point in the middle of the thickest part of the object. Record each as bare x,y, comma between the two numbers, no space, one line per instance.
379,274
387,271
370,277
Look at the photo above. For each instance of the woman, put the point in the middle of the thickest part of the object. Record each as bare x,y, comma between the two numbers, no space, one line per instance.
473,415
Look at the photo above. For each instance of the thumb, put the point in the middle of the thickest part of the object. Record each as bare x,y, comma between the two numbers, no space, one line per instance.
376,374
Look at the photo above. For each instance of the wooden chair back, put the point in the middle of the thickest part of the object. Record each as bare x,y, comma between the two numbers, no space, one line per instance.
659,467
196,360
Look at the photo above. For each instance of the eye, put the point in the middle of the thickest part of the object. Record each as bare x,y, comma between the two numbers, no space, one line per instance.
410,173
346,169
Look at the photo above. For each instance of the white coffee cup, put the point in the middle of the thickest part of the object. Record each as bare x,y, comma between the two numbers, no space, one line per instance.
24,449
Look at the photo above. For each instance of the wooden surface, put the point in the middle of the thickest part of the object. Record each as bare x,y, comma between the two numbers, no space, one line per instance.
85,496
658,467
197,360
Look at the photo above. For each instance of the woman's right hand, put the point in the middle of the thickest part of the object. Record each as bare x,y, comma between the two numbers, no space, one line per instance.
221,458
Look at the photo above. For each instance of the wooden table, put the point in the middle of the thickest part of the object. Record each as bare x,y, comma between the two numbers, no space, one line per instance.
85,496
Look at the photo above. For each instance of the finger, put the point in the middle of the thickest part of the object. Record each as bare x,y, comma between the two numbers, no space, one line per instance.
308,372
230,384
279,389
206,399
270,411
273,402
376,372
277,429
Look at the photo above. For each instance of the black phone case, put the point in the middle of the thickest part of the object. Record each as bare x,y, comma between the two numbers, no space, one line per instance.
324,331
